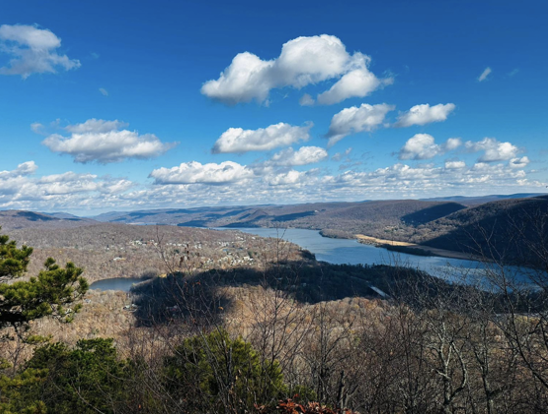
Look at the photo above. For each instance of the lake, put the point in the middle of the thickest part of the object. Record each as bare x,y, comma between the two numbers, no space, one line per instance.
116,283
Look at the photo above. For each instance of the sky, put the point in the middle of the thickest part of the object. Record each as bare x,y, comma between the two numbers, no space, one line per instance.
126,105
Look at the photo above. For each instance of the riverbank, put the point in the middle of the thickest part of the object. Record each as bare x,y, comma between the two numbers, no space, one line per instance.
410,247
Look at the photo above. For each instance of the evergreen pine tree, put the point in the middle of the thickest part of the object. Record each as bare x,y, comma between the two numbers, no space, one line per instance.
51,293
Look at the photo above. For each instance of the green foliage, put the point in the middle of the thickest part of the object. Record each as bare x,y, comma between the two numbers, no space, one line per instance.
224,371
86,379
21,393
13,261
50,293
304,393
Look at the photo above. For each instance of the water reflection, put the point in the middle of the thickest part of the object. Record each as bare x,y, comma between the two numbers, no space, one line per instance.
116,283
344,251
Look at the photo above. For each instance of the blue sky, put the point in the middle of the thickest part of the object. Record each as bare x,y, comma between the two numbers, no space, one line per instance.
152,104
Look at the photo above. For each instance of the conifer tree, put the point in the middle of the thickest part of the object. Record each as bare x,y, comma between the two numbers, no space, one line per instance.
51,293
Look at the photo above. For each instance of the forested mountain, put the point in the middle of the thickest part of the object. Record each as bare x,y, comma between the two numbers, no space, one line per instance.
18,219
368,217
475,201
513,230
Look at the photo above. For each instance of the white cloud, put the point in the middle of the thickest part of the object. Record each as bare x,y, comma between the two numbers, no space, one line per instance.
356,119
306,100
519,162
68,183
424,114
96,125
104,142
453,165
303,156
452,144
32,50
238,140
357,83
290,177
37,127
18,189
196,173
484,74
24,169
493,150
419,147
401,180
423,147
103,91
303,61
229,183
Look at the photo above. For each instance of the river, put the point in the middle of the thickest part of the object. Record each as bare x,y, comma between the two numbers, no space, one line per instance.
344,251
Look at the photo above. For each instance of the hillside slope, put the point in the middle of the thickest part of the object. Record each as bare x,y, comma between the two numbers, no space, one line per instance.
373,218
18,219
513,230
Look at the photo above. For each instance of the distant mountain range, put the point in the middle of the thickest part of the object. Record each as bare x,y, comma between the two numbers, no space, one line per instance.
504,227
474,201
17,219
347,218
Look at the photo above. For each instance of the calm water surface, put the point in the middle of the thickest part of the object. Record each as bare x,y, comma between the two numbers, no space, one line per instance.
343,251
116,283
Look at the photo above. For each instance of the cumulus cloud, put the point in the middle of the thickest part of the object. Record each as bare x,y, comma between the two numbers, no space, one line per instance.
303,61
306,100
229,183
356,119
288,178
238,140
519,162
32,50
425,180
453,165
196,173
452,144
423,147
20,189
424,114
484,74
105,142
493,150
357,83
303,156
24,169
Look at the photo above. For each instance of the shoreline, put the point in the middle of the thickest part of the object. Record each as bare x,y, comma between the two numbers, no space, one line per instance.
427,250
373,241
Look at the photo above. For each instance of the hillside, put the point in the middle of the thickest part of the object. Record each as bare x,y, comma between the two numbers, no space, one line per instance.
512,230
475,201
107,250
17,219
374,218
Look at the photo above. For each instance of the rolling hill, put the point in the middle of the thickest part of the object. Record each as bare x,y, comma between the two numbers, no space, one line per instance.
345,219
512,230
18,219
